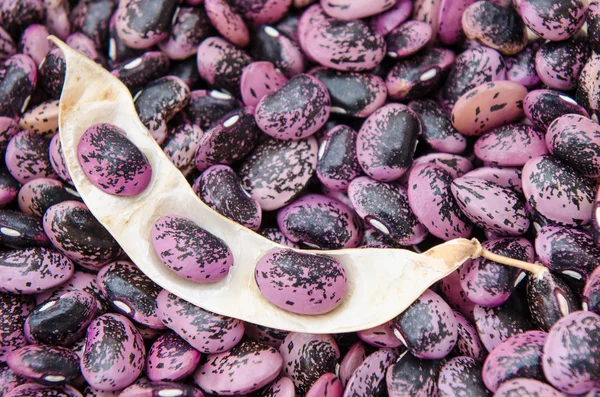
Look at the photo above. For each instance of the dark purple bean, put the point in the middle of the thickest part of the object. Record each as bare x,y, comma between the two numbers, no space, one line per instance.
92,17
207,332
8,129
306,357
79,282
430,198
186,70
61,321
593,25
591,293
412,376
18,230
259,79
427,327
49,365
455,164
140,26
337,163
51,74
320,222
386,208
549,298
352,93
15,16
520,356
190,26
274,234
559,64
220,188
14,309
525,387
74,231
130,292
118,52
181,146
456,297
588,92
221,63
386,21
420,75
138,72
471,68
32,270
7,45
277,171
489,283
511,145
244,369
159,102
569,353
542,107
170,358
27,157
494,26
8,380
270,336
206,107
18,80
369,378
386,142
521,67
468,342
268,44
553,20
159,389
318,288
408,38
438,131
114,353
461,376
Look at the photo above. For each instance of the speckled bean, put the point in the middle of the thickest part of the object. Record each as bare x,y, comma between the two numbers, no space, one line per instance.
49,365
136,73
461,376
412,376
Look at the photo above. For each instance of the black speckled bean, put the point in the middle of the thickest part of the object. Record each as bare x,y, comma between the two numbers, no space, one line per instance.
468,342
508,177
369,378
187,70
274,234
428,327
8,379
170,358
33,42
181,146
118,52
352,93
306,357
7,45
15,16
19,230
92,18
268,44
51,75
14,309
27,157
50,365
35,390
160,389
114,353
140,71
549,298
159,102
9,187
130,292
262,11
221,63
205,331
559,64
220,188
420,75
18,80
337,163
74,231
190,26
386,208
438,131
510,145
588,91
521,67
270,336
412,376
206,107
593,25
277,171
57,159
228,140
461,376
590,296
542,107
141,25
553,20
61,321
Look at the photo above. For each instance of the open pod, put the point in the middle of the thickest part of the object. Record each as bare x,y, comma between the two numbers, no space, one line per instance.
382,282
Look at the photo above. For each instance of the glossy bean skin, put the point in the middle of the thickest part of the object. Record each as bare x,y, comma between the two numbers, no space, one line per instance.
468,342
259,79
412,376
387,141
427,327
221,189
408,38
130,292
380,336
18,81
370,376
171,358
337,163
228,140
57,160
33,42
511,146
8,379
386,21
320,222
275,235
142,27
559,64
352,93
386,208
528,387
114,353
92,18
558,191
542,107
62,321
197,326
268,44
74,231
136,73
18,230
51,74
81,281
588,94
144,388
27,158
42,119
277,171
181,146
590,295
553,20
570,344
206,107
37,195
306,357
228,23
190,26
319,288
471,68
518,356
35,390
49,365
461,376
438,131
263,12
520,68
14,310
490,284
420,75
549,298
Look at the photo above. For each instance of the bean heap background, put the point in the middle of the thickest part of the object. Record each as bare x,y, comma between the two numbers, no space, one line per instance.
332,125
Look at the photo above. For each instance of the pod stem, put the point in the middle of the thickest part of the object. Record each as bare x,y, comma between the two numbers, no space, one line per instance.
537,270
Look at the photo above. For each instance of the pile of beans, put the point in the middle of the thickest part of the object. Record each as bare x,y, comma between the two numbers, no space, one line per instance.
320,125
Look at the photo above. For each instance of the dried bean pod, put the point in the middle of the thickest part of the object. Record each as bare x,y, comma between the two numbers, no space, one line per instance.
49,365
74,231
170,358
205,331
307,357
114,353
542,107
61,321
461,376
